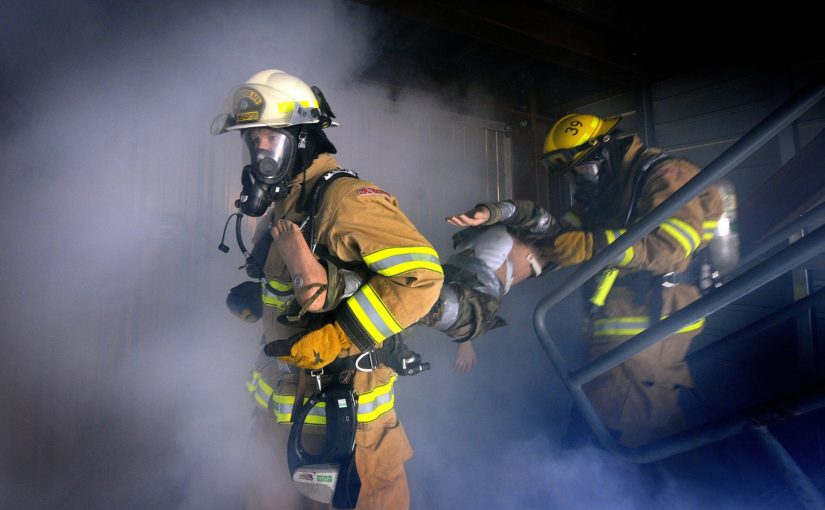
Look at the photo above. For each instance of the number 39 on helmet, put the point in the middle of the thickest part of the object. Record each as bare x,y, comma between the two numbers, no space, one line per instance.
572,138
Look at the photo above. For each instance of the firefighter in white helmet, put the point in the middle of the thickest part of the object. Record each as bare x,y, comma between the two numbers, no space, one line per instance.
314,337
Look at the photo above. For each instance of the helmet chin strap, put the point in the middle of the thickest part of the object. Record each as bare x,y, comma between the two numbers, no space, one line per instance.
303,160
306,151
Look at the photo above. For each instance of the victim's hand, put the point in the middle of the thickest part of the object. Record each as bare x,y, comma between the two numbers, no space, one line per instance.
472,218
465,358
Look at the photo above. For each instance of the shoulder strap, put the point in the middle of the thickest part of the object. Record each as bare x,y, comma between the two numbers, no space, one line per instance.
310,205
641,178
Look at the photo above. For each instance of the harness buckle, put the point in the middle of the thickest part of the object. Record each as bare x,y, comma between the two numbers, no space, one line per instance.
370,355
317,375
669,279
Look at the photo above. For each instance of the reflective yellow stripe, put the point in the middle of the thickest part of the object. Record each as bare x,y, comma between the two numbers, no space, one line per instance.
709,229
371,404
376,402
693,326
695,238
394,261
281,296
251,385
622,326
371,313
611,236
288,106
685,235
282,410
260,390
572,219
606,282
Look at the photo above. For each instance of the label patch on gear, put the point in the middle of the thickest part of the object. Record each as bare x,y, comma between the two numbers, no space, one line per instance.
366,190
248,105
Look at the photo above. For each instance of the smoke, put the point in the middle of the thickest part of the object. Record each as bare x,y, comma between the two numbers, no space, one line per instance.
122,378
123,374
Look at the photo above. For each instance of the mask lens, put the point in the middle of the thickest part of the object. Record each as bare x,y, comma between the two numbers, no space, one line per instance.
274,148
270,152
588,172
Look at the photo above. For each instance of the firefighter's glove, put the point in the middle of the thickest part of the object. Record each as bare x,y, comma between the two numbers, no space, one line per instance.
244,301
318,348
572,247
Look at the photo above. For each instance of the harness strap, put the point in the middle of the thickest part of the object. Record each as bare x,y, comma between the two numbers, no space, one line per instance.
364,362
310,205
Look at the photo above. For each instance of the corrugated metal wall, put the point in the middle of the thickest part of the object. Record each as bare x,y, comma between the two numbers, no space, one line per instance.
124,381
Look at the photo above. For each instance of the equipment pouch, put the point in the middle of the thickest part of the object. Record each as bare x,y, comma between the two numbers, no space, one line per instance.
329,476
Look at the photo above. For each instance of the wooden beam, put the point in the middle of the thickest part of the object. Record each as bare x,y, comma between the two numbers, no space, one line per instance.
527,31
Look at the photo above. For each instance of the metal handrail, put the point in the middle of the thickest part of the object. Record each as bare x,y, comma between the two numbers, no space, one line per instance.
759,275
780,263
719,167
773,240
792,310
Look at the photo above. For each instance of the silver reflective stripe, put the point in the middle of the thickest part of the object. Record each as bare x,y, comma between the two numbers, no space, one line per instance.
369,407
681,232
395,260
606,324
262,394
372,314
449,308
285,410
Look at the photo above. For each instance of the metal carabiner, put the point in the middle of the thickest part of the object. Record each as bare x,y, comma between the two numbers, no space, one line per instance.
317,375
370,355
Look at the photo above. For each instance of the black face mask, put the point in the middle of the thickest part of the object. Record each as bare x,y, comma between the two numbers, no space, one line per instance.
587,178
265,179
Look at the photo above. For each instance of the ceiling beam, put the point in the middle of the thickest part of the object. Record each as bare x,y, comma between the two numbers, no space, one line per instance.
530,32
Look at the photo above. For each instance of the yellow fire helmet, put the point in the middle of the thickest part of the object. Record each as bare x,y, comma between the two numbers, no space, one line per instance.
272,98
572,138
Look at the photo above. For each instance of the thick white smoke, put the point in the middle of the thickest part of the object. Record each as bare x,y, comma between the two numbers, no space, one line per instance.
122,381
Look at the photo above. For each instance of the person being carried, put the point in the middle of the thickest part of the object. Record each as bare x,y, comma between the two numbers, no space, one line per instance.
617,181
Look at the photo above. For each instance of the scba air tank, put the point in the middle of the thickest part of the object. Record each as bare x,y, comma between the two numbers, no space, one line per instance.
723,250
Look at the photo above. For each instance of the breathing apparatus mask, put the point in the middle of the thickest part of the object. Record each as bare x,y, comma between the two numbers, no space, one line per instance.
272,156
590,177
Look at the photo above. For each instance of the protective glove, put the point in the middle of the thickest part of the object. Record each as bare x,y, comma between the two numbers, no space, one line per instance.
244,301
318,348
573,247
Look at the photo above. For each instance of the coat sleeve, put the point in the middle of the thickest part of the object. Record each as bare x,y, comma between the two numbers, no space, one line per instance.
523,215
405,275
669,246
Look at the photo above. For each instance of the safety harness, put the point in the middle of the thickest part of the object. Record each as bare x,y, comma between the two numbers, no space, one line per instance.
330,475
643,282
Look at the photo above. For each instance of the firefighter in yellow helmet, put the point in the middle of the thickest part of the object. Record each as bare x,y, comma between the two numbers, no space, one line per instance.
618,180
318,342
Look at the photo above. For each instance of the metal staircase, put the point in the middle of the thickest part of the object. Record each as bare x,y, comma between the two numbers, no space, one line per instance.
765,261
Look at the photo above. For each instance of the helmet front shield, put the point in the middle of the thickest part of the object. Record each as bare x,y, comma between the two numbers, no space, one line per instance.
258,105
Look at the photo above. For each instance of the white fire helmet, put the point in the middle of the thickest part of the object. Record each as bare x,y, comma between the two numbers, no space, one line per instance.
275,99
